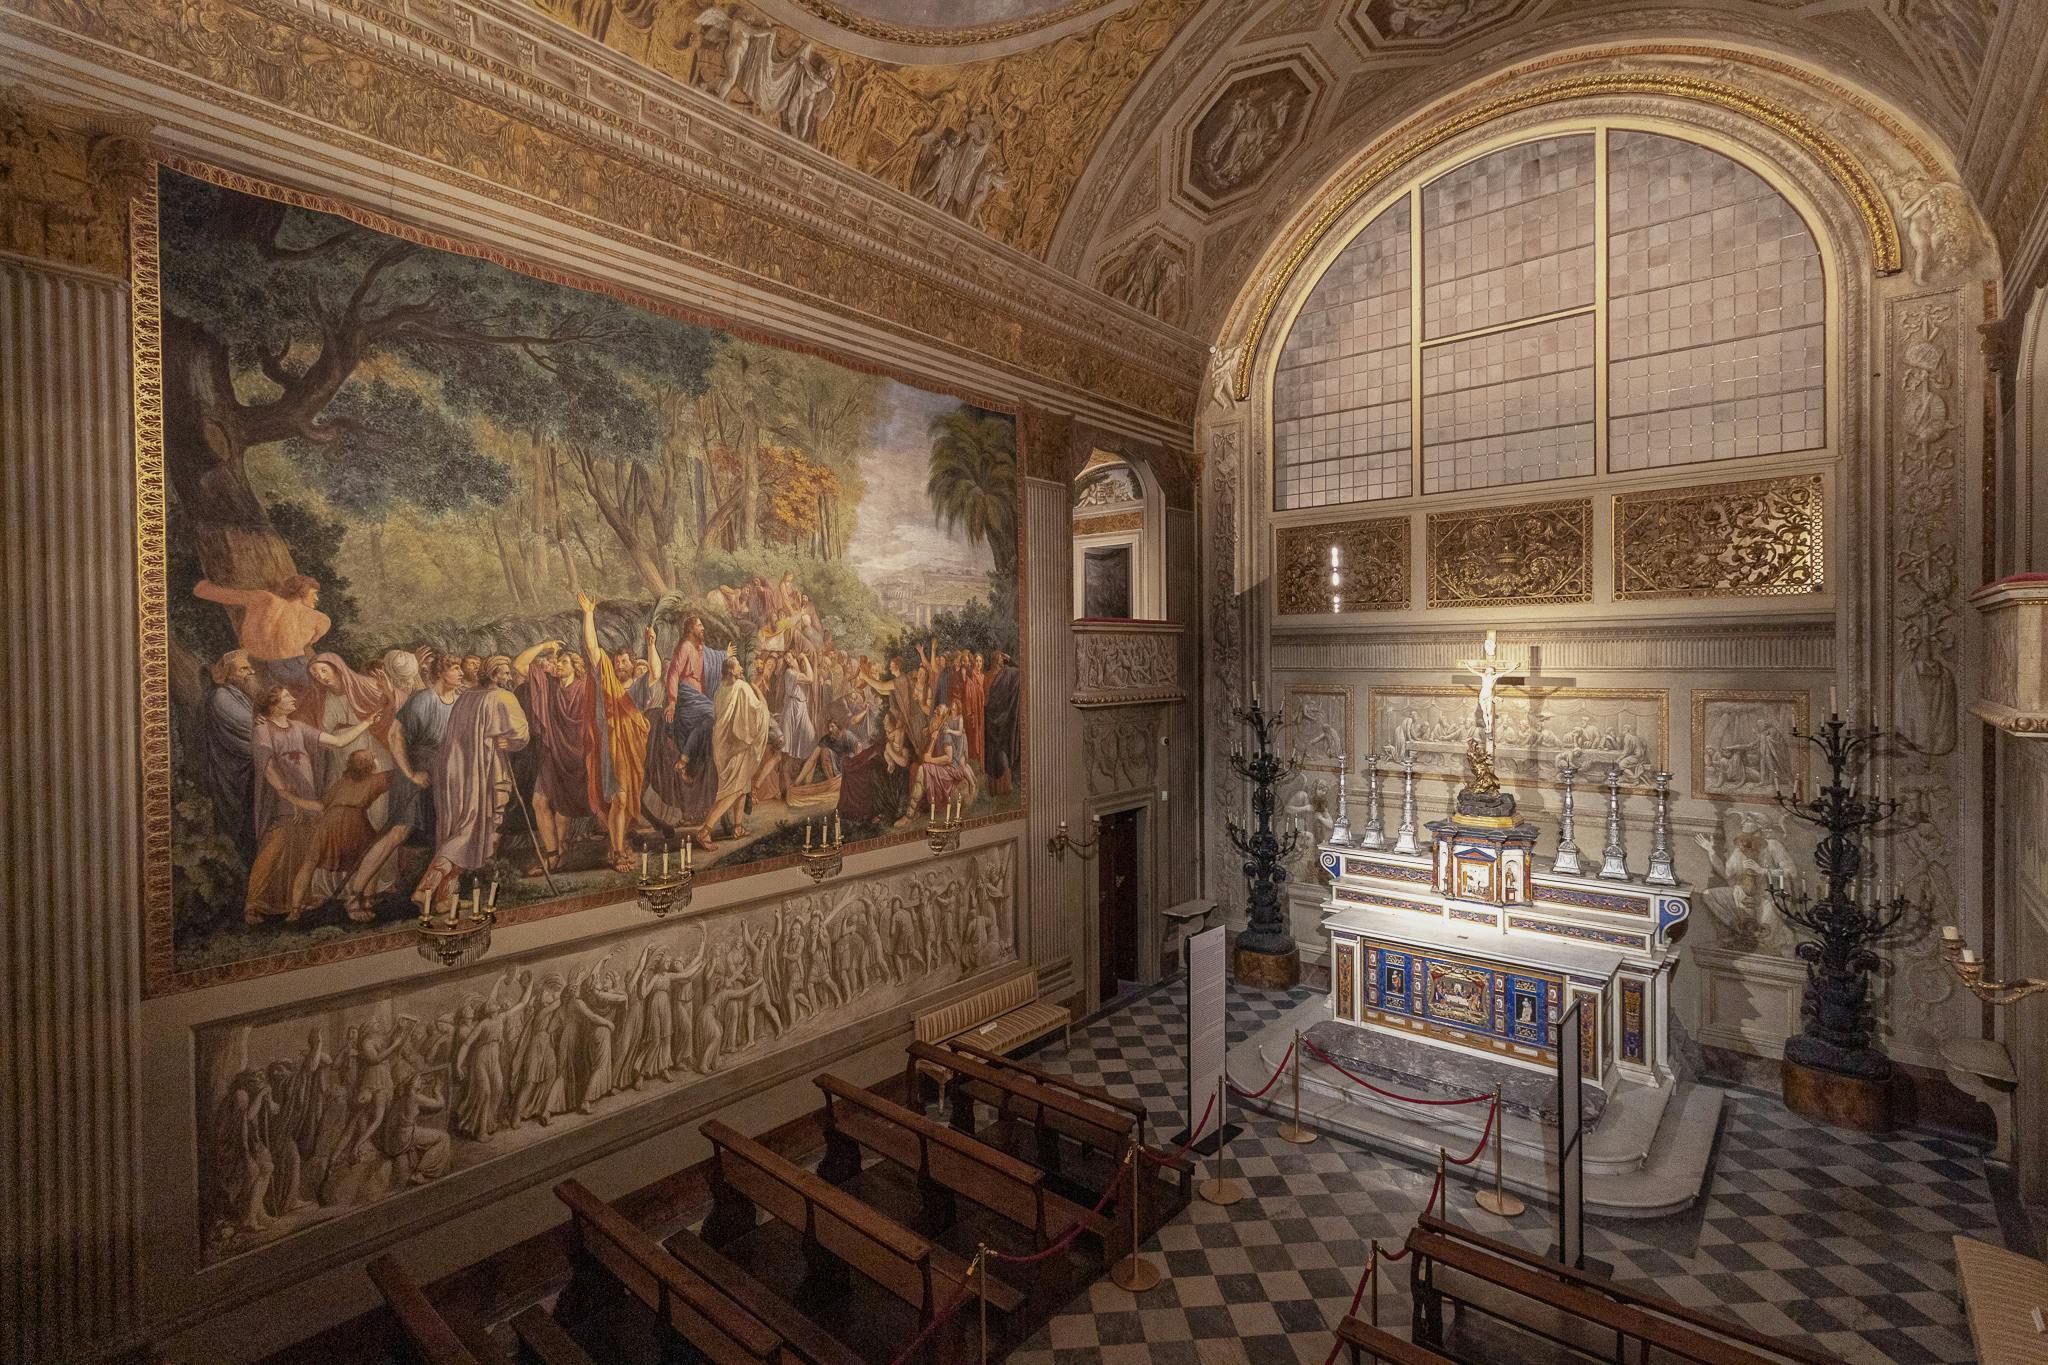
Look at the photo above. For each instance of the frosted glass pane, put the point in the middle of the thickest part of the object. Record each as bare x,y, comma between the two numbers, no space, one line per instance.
1509,407
1341,404
1717,339
1509,236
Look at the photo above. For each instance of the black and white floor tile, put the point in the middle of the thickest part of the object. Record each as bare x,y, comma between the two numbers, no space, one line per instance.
1838,1239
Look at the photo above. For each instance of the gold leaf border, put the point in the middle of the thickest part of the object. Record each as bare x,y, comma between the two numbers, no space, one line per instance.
1840,163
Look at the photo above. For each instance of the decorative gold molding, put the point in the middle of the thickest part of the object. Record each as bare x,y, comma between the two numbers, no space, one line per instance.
920,35
1374,565
66,178
1796,750
1536,554
152,608
1115,521
1757,538
1432,132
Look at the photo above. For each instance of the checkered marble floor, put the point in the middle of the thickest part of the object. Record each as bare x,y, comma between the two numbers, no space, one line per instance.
1837,1239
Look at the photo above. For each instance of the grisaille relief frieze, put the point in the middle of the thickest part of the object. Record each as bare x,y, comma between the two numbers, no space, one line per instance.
1121,750
1123,663
1318,726
1756,538
1743,745
310,1115
1371,565
1595,729
1518,556
506,109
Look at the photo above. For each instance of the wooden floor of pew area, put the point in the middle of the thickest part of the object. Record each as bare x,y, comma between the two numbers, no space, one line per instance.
860,1258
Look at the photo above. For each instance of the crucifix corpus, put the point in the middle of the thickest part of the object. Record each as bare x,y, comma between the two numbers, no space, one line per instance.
1490,669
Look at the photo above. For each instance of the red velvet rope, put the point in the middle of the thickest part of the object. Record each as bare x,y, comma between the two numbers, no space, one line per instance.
945,1315
1271,1081
1334,1065
1194,1136
1372,1266
1491,1115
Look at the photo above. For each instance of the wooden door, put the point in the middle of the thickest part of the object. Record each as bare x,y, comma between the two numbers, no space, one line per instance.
1117,902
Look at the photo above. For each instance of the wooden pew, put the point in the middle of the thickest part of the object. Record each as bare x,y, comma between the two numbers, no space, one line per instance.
457,1338
688,1306
806,1339
839,1231
1052,1079
946,1163
1638,1298
1367,1342
1570,1306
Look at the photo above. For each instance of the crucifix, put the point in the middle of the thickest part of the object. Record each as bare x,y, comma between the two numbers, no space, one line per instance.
1490,669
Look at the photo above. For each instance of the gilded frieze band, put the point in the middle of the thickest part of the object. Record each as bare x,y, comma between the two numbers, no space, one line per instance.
1370,561
66,176
1521,556
1757,538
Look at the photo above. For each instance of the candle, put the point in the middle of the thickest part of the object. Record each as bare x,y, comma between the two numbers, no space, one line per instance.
664,860
807,834
686,857
1970,956
1831,700
494,893
643,864
1950,933
837,835
476,902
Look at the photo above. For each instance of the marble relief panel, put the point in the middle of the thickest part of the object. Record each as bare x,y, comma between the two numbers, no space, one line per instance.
1743,748
309,1115
1244,133
1319,727
1535,732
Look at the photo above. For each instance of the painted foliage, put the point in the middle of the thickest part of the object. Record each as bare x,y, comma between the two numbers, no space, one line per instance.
475,577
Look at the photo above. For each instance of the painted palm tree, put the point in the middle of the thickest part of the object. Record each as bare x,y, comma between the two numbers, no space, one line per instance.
973,481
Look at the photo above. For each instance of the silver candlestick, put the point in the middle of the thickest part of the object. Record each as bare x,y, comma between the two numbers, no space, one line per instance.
1567,859
1404,838
1614,858
1661,872
1375,835
1340,830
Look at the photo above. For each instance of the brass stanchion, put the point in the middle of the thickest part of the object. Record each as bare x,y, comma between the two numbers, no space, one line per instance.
1220,1189
1443,1186
1134,1272
1372,1276
978,1272
1294,1132
1498,1201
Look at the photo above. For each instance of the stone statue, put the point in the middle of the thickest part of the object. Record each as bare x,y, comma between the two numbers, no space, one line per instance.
1491,669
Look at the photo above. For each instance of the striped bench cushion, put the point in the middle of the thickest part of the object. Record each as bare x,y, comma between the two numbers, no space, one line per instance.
2001,1289
984,1005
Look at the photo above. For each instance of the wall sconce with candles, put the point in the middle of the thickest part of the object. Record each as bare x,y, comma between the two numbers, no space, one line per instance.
669,887
824,848
456,934
942,831
1058,845
1963,961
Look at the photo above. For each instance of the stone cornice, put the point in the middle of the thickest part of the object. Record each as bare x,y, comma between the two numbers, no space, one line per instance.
510,60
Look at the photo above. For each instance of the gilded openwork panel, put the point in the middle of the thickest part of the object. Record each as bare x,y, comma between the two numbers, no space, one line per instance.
1371,565
1757,538
1521,556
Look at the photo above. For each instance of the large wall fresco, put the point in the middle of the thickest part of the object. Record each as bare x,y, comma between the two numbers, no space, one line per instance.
313,1114
479,578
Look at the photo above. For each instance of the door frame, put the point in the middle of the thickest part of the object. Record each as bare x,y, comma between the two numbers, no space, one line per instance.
1149,931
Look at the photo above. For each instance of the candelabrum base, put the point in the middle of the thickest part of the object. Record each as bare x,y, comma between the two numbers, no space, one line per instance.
669,893
1661,873
1566,863
1372,838
824,862
1275,971
1835,1098
1614,867
942,838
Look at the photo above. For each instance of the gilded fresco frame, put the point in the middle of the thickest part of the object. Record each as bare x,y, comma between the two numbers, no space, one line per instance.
1661,696
1802,712
160,973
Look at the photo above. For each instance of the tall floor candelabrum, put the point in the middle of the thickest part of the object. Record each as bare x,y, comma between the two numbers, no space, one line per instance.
1265,953
1833,1069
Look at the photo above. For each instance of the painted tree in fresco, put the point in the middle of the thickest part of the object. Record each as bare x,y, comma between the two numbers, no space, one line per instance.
372,361
973,481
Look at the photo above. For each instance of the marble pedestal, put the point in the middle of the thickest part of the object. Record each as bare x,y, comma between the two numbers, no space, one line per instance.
1649,1156
1273,971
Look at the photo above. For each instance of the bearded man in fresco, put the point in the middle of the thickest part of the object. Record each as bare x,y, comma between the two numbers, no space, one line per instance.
228,738
472,779
277,629
739,739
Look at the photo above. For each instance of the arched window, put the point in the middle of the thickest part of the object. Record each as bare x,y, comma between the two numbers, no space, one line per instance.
1603,301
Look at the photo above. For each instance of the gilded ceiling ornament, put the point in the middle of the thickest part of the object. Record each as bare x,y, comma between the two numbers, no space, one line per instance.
1516,556
1758,538
1429,133
920,35
1115,521
1371,567
65,179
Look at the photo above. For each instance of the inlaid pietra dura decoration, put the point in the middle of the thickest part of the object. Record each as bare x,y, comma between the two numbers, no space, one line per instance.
1757,538
1370,566
477,575
1521,556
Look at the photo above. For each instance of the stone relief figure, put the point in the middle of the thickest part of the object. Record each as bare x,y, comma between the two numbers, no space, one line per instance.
1222,373
1935,223
1739,895
1309,812
956,167
1147,276
1424,19
1534,737
358,1103
1746,747
1319,739
1926,561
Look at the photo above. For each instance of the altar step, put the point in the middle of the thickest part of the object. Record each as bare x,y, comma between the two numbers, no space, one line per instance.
1649,1157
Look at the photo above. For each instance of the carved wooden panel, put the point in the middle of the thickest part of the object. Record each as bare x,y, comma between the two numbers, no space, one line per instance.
1757,538
1371,566
1520,556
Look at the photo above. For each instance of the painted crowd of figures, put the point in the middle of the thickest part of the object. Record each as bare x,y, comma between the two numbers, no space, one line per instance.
324,773
364,1108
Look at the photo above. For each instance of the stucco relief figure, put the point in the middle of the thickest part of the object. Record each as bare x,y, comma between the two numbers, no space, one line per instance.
956,167
1222,376
792,92
1147,276
1935,222
1253,127
1425,19
1738,896
1318,729
306,1118
1926,562
1747,747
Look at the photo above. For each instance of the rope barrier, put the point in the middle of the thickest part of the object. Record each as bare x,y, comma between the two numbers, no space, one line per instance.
1491,1114
1271,1081
944,1315
1372,1268
1194,1136
1338,1067
1066,1239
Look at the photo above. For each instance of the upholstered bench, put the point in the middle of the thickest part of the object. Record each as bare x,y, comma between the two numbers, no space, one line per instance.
2005,1296
998,1018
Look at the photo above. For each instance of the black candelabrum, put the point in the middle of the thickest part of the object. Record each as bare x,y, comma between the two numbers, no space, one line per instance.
1265,852
1840,956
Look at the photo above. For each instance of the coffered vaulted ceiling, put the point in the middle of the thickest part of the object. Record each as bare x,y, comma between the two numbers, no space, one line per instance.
1151,147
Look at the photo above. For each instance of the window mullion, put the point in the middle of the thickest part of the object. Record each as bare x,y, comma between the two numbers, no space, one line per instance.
1600,333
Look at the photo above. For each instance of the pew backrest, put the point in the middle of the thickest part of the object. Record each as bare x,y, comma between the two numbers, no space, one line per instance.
431,1338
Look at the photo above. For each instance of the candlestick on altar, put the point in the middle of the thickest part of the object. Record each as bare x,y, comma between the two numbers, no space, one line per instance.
1567,859
1614,857
1340,830
1661,872
1375,835
1404,837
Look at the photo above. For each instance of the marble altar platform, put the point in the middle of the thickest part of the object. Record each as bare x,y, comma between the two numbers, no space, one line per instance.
1648,1155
